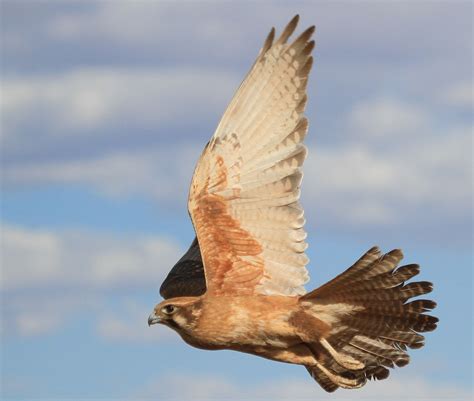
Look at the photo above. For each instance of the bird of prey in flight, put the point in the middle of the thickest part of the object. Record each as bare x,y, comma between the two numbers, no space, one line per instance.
240,286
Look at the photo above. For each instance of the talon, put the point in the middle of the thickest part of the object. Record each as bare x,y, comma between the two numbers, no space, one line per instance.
341,381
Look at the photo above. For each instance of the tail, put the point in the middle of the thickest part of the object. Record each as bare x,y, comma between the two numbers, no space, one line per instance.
371,323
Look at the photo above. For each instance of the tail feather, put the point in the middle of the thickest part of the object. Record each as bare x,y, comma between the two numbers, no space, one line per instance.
385,264
371,319
397,277
366,260
416,307
402,338
325,382
377,372
371,322
379,349
399,293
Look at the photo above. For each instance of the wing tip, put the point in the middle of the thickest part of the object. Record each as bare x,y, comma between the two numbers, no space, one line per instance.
289,29
268,42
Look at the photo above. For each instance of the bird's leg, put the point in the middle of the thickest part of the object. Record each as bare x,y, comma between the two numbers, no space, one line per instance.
313,331
346,361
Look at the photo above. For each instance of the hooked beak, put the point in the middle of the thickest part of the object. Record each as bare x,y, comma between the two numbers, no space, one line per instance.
153,319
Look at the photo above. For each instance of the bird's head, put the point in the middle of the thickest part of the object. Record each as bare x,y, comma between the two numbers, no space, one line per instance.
177,313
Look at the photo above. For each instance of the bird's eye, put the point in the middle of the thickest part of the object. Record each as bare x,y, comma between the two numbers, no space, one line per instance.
169,309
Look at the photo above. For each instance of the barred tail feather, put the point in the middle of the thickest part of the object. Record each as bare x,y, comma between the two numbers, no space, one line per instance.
372,321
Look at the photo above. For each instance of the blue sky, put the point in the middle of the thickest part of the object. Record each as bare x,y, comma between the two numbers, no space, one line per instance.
106,107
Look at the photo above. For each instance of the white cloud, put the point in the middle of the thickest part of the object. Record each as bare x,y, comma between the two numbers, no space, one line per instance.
383,117
135,23
216,387
409,175
395,168
29,324
48,278
75,259
92,102
130,324
30,256
163,174
197,387
402,160
394,388
458,95
398,182
40,312
132,23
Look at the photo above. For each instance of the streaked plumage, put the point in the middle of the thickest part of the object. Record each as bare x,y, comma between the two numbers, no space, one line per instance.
240,286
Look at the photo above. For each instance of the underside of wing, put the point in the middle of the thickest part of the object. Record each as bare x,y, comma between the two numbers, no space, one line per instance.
245,190
186,278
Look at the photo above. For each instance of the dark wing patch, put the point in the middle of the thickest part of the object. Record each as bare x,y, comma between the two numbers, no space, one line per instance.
186,278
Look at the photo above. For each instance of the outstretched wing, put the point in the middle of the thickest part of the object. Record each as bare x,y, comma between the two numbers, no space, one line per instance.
244,195
186,278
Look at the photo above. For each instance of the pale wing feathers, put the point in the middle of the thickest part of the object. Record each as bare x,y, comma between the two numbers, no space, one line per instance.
245,190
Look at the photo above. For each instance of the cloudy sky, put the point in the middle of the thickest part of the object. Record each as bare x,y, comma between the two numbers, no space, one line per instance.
105,109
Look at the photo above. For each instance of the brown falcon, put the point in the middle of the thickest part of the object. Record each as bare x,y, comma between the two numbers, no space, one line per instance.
240,285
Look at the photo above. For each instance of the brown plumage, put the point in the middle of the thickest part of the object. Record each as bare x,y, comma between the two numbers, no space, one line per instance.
240,285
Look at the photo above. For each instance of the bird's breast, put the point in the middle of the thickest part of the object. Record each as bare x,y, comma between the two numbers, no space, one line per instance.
228,322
